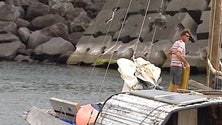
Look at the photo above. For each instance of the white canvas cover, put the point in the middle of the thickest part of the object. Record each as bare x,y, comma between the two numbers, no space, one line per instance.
138,68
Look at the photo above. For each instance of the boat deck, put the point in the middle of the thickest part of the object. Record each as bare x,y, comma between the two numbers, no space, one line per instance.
153,107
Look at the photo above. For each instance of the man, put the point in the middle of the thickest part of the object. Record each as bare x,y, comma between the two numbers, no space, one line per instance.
177,56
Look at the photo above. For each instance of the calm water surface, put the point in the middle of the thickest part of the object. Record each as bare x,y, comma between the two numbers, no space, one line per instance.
23,85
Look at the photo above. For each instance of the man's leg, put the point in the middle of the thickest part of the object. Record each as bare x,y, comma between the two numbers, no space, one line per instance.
175,87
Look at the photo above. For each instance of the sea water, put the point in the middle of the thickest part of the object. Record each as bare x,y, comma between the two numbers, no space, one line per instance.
23,85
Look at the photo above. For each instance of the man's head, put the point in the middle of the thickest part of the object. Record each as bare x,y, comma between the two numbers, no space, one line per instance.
185,35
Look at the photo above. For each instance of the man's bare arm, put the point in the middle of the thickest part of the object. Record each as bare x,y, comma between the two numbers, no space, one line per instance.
182,58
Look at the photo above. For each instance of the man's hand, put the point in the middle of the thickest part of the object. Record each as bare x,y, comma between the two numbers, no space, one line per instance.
187,65
169,54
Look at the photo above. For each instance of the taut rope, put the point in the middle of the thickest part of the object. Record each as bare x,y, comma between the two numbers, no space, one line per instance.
104,40
141,28
115,44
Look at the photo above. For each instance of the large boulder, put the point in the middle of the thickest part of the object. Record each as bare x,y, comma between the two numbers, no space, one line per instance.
35,22
9,12
41,22
36,9
41,36
55,46
9,50
61,8
55,49
24,34
7,26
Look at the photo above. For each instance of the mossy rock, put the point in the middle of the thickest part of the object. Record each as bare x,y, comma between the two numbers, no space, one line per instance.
103,61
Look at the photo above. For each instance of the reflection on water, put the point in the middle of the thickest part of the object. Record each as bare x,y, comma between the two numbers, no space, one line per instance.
23,85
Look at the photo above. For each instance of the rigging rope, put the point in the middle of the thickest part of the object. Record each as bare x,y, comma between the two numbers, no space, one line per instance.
115,43
113,15
153,36
141,28
121,28
161,6
89,41
104,40
154,32
152,41
118,37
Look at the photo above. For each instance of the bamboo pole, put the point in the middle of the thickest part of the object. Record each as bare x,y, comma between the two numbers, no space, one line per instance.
214,39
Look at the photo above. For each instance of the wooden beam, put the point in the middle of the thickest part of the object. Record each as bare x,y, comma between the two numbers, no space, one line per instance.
198,85
214,38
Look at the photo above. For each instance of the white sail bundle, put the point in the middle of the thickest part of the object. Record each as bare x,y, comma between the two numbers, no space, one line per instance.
132,72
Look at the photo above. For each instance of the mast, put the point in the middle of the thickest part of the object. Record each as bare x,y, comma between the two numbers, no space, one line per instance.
214,39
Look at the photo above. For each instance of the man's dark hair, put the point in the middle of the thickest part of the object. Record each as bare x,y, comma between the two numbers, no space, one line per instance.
185,31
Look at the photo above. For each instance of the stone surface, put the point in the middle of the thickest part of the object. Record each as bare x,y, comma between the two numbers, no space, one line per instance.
134,32
97,33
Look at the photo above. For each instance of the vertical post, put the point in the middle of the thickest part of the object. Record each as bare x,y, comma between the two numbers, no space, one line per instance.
214,38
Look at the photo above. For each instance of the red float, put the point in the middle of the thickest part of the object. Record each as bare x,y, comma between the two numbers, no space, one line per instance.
86,115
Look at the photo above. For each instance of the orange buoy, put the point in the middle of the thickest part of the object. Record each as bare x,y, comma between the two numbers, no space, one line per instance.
86,115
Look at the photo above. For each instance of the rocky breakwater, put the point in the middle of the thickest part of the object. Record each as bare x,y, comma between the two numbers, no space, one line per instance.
43,30
126,28
98,31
